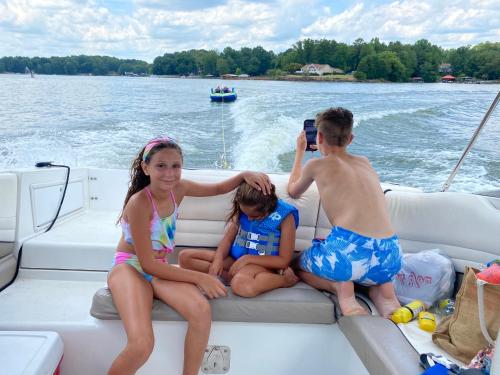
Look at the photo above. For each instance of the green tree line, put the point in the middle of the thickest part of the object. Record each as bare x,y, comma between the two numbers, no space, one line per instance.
392,61
253,61
72,65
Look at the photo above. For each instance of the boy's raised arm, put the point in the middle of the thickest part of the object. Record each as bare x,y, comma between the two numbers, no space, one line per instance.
300,178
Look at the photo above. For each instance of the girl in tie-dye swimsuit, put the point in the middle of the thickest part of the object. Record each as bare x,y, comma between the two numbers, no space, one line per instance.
140,270
162,237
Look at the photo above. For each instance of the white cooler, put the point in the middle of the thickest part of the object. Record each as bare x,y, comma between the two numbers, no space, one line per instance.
30,353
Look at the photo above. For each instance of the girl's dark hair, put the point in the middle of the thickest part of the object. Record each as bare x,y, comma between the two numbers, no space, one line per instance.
247,195
138,179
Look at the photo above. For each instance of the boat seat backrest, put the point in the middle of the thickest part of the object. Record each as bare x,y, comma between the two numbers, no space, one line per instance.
465,226
8,207
202,220
8,224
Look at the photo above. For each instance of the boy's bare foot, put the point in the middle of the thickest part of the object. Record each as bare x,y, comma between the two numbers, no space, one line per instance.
384,298
290,278
347,299
343,290
356,310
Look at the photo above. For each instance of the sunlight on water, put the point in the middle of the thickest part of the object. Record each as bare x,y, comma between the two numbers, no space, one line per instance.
412,133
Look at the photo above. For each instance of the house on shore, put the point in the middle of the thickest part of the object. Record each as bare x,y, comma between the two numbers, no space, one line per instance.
445,68
320,69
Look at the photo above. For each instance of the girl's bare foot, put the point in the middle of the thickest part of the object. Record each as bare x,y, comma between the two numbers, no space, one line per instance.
290,278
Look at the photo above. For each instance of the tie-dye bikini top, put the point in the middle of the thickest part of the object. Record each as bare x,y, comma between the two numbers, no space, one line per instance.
162,229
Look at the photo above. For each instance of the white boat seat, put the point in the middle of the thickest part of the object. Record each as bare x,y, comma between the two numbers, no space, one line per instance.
85,242
8,208
299,304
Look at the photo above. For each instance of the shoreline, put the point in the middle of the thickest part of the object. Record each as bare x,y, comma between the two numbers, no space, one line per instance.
336,78
297,78
288,78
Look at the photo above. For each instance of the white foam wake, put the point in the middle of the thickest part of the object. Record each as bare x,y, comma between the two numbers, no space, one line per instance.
263,136
376,115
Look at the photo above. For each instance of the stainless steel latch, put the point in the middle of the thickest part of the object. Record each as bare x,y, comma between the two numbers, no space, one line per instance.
216,360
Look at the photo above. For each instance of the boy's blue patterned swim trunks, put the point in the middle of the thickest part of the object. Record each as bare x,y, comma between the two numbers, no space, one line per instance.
347,256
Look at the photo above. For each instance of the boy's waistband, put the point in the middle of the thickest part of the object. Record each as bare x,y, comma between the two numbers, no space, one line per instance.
336,230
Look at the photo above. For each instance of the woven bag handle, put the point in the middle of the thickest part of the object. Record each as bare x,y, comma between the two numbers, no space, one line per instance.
480,305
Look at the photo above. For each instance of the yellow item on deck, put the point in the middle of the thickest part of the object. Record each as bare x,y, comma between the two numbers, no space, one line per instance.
427,321
408,312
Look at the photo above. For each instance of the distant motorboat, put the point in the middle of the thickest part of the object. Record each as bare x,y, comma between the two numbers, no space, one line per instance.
223,95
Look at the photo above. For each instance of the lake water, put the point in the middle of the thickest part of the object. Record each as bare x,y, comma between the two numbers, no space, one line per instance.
412,133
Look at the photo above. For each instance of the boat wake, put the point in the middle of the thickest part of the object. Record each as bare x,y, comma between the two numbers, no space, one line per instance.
262,136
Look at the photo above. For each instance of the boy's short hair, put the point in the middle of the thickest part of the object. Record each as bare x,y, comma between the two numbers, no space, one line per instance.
336,125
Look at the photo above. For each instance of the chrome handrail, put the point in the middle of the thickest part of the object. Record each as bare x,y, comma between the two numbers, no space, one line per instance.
485,119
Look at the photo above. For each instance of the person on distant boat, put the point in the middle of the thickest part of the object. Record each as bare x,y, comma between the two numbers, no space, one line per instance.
217,89
140,270
257,247
361,246
225,89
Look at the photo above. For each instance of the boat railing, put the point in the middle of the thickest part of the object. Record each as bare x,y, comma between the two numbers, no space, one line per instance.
485,119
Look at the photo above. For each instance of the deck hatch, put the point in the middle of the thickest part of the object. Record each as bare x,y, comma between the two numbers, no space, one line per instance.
216,360
45,200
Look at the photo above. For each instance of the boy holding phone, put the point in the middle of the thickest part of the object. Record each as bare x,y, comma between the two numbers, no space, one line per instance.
362,246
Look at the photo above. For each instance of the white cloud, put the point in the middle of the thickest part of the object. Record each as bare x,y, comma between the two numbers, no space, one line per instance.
410,20
147,28
336,23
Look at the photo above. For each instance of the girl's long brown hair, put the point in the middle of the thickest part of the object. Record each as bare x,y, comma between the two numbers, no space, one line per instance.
247,195
138,179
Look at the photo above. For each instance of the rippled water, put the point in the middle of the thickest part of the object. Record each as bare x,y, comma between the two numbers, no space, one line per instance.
412,133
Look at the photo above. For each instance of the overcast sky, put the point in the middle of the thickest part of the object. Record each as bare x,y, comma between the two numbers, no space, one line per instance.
144,29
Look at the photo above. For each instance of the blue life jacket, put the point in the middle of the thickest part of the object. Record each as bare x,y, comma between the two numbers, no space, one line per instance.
262,237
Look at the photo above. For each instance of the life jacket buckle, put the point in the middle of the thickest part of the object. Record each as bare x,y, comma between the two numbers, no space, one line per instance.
251,245
252,236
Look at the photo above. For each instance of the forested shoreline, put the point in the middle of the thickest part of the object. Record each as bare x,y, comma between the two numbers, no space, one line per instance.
394,61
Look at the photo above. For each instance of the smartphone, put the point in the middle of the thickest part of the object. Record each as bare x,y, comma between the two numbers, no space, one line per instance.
311,132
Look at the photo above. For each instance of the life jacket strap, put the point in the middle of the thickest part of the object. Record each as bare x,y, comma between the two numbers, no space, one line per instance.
251,236
246,239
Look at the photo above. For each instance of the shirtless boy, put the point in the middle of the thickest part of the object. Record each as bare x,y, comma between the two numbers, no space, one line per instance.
361,246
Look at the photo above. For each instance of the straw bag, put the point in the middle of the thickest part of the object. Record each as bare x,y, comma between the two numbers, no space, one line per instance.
461,334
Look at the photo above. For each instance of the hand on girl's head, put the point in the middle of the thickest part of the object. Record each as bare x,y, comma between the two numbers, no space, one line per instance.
259,181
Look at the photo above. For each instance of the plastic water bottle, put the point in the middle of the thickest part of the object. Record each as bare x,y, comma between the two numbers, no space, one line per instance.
408,312
427,321
446,306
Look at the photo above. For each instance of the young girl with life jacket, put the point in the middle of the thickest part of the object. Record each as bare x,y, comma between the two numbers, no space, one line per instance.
257,247
140,270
